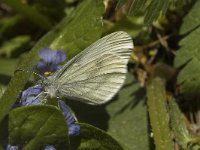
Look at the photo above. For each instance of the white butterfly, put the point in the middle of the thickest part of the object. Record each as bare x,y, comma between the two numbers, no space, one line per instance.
96,74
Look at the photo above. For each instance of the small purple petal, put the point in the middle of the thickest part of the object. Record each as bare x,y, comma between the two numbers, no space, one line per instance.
42,67
9,147
73,129
49,148
29,95
31,91
31,101
50,60
67,114
60,57
47,55
52,57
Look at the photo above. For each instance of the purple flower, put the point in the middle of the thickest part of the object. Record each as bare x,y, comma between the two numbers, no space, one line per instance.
9,147
30,96
73,129
49,148
49,60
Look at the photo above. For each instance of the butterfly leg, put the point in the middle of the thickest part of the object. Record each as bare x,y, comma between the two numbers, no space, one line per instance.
44,100
58,99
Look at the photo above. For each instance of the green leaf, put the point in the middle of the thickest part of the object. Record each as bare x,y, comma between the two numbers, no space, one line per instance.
84,29
70,24
189,54
34,127
53,9
4,132
93,138
152,8
191,20
155,9
159,118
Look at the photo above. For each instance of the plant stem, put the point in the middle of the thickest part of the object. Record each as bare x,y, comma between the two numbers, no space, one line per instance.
159,118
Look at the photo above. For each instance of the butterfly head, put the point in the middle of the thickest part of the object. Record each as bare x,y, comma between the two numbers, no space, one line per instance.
49,87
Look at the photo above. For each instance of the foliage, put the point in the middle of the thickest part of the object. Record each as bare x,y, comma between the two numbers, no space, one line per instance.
30,132
153,8
158,105
93,138
189,54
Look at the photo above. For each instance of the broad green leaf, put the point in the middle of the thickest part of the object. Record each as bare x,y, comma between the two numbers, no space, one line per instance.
124,118
159,118
70,26
87,26
5,70
34,127
189,55
94,139
192,19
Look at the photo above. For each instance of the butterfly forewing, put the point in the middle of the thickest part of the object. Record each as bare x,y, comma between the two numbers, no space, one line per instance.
95,75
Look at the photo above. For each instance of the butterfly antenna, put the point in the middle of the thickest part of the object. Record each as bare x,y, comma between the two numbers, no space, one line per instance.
30,72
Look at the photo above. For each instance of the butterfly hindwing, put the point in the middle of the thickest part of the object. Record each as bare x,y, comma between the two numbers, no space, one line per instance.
97,73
